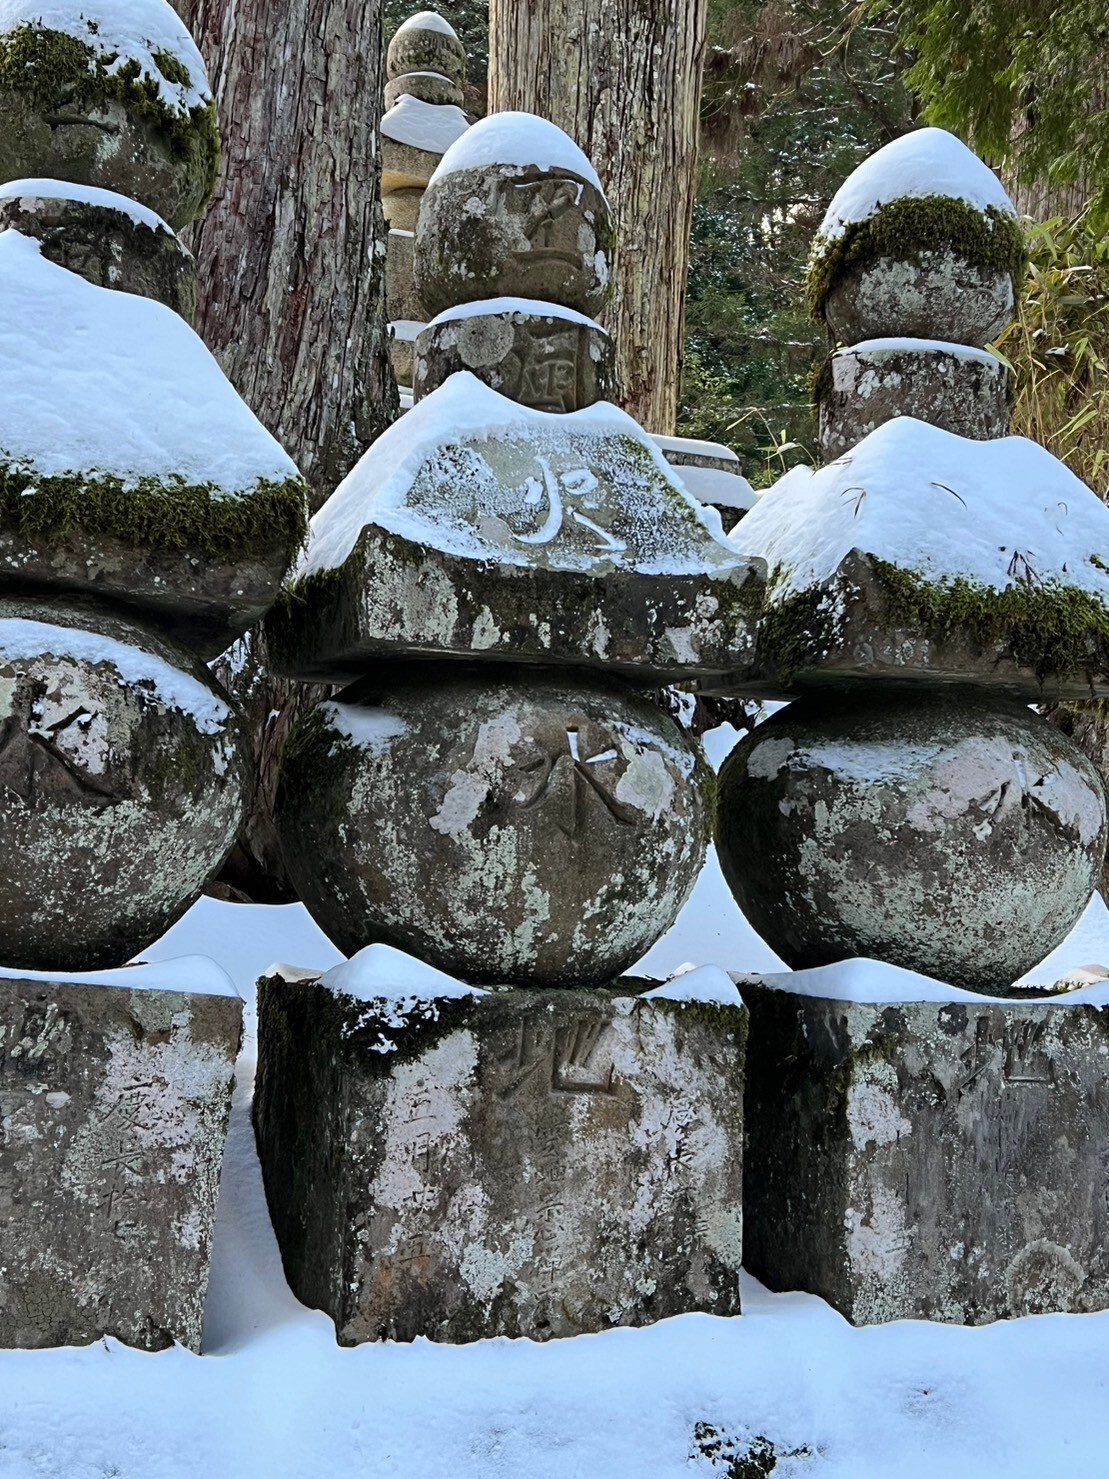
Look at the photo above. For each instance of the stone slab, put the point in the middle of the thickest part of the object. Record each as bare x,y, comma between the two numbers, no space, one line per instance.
858,632
938,1161
393,596
520,1163
113,1112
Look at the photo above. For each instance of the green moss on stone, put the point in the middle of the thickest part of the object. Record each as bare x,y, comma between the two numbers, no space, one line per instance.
54,70
1055,631
908,227
154,513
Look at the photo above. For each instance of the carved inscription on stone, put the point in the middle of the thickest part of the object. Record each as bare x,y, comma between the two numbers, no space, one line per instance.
1015,1049
565,778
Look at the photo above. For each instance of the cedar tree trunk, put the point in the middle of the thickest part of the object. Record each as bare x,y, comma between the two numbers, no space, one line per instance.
291,256
623,78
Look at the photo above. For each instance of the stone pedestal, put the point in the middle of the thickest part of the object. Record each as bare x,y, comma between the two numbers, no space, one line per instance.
960,389
113,1106
522,1163
928,1160
537,354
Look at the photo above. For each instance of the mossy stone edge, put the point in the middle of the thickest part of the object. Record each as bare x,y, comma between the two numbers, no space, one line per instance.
154,513
906,229
1054,631
54,69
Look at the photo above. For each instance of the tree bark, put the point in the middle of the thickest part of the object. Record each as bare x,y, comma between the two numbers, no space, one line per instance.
623,79
291,257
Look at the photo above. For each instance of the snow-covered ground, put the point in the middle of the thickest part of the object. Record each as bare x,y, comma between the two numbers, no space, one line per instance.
274,1397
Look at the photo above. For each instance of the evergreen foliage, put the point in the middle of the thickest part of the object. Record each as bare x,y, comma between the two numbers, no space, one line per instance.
1022,82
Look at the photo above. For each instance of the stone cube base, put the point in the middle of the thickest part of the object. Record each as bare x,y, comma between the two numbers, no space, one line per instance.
113,1113
926,1160
525,1163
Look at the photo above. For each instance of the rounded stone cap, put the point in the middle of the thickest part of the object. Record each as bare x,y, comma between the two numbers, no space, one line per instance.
514,210
149,96
105,238
428,87
426,43
536,354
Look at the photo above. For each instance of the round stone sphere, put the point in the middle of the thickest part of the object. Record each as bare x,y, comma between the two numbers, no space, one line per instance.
122,782
535,829
426,43
940,296
68,115
513,231
954,835
108,240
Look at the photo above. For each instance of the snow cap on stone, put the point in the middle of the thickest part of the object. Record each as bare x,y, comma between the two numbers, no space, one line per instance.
518,139
108,200
122,31
406,483
427,20
927,162
993,513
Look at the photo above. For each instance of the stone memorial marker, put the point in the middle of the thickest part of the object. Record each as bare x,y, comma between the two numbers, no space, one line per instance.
459,1164
915,266
146,520
918,1147
561,1153
425,65
916,1152
115,1091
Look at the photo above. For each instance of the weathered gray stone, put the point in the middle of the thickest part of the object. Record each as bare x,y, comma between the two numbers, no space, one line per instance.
122,783
205,602
712,473
429,87
516,1163
514,231
927,1161
114,1102
393,595
533,353
962,390
402,350
401,298
932,295
426,43
405,166
402,208
112,246
512,535
540,830
955,835
70,109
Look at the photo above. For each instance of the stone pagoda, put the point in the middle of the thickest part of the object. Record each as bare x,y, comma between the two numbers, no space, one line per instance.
146,520
425,67
501,578
923,1148
915,268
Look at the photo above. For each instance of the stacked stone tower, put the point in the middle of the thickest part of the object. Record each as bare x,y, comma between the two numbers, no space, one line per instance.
502,576
914,268
146,520
915,1148
425,67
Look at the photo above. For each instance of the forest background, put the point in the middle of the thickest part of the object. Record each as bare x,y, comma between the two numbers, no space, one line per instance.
796,93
